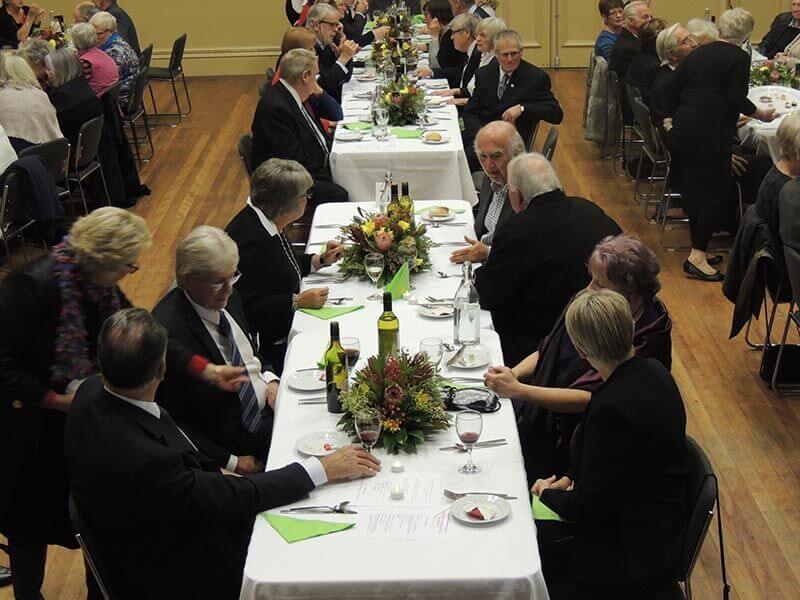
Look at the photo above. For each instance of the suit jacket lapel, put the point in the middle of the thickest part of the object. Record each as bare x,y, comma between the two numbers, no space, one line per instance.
511,88
299,113
471,68
197,328
483,206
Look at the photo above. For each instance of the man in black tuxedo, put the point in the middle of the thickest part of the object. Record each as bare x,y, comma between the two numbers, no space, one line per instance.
627,46
783,30
515,91
283,128
355,19
207,316
334,51
167,522
539,255
495,145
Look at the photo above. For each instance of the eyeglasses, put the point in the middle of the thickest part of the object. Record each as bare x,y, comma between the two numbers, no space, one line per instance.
513,54
133,267
217,286
308,196
455,31
332,23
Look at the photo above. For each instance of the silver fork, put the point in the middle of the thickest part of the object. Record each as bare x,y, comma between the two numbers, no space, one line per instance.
337,301
444,275
340,508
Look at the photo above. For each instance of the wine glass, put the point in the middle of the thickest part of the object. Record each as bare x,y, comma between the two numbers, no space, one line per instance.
433,348
352,350
469,424
373,265
368,427
381,115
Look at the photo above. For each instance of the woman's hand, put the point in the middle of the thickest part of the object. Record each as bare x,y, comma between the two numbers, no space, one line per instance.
435,28
334,251
446,93
458,101
424,73
313,298
767,115
552,483
502,381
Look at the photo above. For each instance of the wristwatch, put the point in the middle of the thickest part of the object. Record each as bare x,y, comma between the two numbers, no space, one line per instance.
294,301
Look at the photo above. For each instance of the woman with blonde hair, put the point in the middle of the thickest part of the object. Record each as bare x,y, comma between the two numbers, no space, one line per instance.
25,110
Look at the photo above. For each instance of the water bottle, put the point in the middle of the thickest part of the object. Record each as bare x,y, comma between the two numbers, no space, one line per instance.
467,313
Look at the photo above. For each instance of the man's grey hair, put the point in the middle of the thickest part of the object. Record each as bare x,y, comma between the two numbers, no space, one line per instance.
515,145
83,36
297,62
277,184
320,12
631,9
204,251
62,66
34,51
104,20
491,27
508,34
532,175
736,25
467,22
702,31
666,42
87,11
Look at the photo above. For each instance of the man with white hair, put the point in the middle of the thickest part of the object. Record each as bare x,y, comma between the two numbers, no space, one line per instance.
335,52
634,16
539,255
206,316
672,45
495,145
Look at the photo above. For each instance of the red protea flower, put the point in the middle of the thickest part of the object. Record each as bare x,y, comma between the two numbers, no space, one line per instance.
393,395
391,370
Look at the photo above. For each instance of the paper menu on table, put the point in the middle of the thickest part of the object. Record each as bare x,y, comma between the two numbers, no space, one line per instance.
405,522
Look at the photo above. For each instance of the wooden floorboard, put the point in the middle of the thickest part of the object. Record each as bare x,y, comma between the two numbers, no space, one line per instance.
751,435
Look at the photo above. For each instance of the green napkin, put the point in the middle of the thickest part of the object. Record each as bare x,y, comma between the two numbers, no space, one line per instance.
423,209
542,512
326,313
405,134
418,19
296,530
358,126
399,284
371,25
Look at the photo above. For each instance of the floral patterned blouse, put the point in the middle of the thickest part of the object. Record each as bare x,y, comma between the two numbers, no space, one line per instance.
127,64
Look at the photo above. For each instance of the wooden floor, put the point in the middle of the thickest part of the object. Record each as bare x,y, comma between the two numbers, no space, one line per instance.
751,435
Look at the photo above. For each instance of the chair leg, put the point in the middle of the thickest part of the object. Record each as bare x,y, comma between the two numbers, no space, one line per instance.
83,198
188,98
774,382
149,135
105,187
153,100
178,110
8,252
136,143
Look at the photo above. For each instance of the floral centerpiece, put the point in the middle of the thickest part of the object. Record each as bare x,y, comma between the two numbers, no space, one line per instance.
406,391
402,54
403,101
771,72
386,235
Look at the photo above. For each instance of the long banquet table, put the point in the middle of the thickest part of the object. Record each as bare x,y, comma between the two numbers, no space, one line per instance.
411,548
434,171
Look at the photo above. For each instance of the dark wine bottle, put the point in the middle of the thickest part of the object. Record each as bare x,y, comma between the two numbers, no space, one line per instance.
336,380
388,329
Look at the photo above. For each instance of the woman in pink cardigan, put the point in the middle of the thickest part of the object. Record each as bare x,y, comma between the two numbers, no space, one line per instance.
99,68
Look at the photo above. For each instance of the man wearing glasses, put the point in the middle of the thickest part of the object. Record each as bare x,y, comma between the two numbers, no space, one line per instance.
207,316
335,52
512,90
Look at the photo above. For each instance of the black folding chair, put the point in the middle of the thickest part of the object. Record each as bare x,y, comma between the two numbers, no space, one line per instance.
245,148
91,554
792,318
14,219
532,136
550,143
171,73
55,155
134,112
85,161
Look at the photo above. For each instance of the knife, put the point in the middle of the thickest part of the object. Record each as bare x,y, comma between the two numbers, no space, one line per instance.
455,356
464,448
479,444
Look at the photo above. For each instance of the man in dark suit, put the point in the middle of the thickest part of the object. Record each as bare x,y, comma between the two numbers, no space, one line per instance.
468,7
335,53
283,128
495,145
464,30
355,19
783,30
634,15
167,522
539,255
207,317
514,91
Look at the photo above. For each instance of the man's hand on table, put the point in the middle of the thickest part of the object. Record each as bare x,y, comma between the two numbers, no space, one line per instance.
424,73
513,113
477,252
381,32
248,465
766,115
351,462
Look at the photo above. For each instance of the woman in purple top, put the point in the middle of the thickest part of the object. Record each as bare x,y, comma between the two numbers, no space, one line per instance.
98,67
611,11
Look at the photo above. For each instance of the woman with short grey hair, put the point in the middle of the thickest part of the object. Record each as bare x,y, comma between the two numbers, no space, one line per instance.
98,67
271,271
34,51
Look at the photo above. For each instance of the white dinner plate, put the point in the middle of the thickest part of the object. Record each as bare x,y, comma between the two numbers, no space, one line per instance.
445,139
437,219
345,135
365,78
498,507
436,85
472,358
423,38
783,99
322,443
435,101
438,312
307,381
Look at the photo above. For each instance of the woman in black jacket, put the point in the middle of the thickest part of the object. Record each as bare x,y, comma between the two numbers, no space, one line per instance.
443,52
705,98
622,500
271,272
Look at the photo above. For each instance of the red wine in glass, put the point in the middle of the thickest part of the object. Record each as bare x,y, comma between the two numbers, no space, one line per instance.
369,438
352,355
469,437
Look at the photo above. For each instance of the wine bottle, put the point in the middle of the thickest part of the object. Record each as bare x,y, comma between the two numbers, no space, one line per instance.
407,204
467,310
388,329
394,203
336,379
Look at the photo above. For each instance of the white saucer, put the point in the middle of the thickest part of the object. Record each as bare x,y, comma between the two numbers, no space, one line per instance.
345,135
480,358
500,508
322,443
436,219
445,139
307,381
439,312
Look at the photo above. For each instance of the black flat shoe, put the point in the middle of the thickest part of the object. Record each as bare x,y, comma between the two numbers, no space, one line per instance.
696,273
714,260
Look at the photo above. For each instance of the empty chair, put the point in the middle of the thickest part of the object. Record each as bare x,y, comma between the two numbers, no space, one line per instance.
55,155
171,73
85,161
14,219
652,151
135,111
88,544
245,148
550,143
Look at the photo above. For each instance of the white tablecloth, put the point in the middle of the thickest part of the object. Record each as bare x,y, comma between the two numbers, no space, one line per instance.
434,171
440,560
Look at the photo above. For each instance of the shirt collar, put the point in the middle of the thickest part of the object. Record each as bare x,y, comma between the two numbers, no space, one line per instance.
266,222
499,66
473,8
292,91
212,316
500,188
150,407
795,23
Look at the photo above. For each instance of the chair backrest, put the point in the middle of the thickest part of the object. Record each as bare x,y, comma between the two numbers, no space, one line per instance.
270,75
88,142
146,56
532,136
176,56
135,101
550,143
114,91
589,79
55,155
633,92
245,147
88,544
793,267
701,495
644,125
12,203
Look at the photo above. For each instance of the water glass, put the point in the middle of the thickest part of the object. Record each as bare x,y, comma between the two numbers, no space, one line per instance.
381,116
433,348
374,265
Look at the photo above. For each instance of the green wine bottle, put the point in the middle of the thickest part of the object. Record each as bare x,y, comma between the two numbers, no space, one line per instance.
336,379
394,204
388,329
407,204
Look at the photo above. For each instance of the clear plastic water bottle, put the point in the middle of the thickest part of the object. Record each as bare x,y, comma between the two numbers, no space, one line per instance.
467,313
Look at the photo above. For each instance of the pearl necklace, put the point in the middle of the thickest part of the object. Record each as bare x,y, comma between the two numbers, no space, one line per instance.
290,255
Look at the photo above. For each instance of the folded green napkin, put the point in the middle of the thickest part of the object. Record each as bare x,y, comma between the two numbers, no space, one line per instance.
418,19
371,25
358,126
542,512
399,284
405,134
296,530
326,313
423,209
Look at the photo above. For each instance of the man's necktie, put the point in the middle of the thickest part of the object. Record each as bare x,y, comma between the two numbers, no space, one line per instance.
501,88
316,130
251,416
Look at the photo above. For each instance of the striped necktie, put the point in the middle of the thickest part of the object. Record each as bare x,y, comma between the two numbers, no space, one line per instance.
251,416
501,88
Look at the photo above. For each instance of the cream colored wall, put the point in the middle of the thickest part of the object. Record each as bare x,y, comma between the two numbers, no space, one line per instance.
244,37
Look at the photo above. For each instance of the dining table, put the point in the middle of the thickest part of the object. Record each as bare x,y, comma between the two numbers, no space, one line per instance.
418,544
